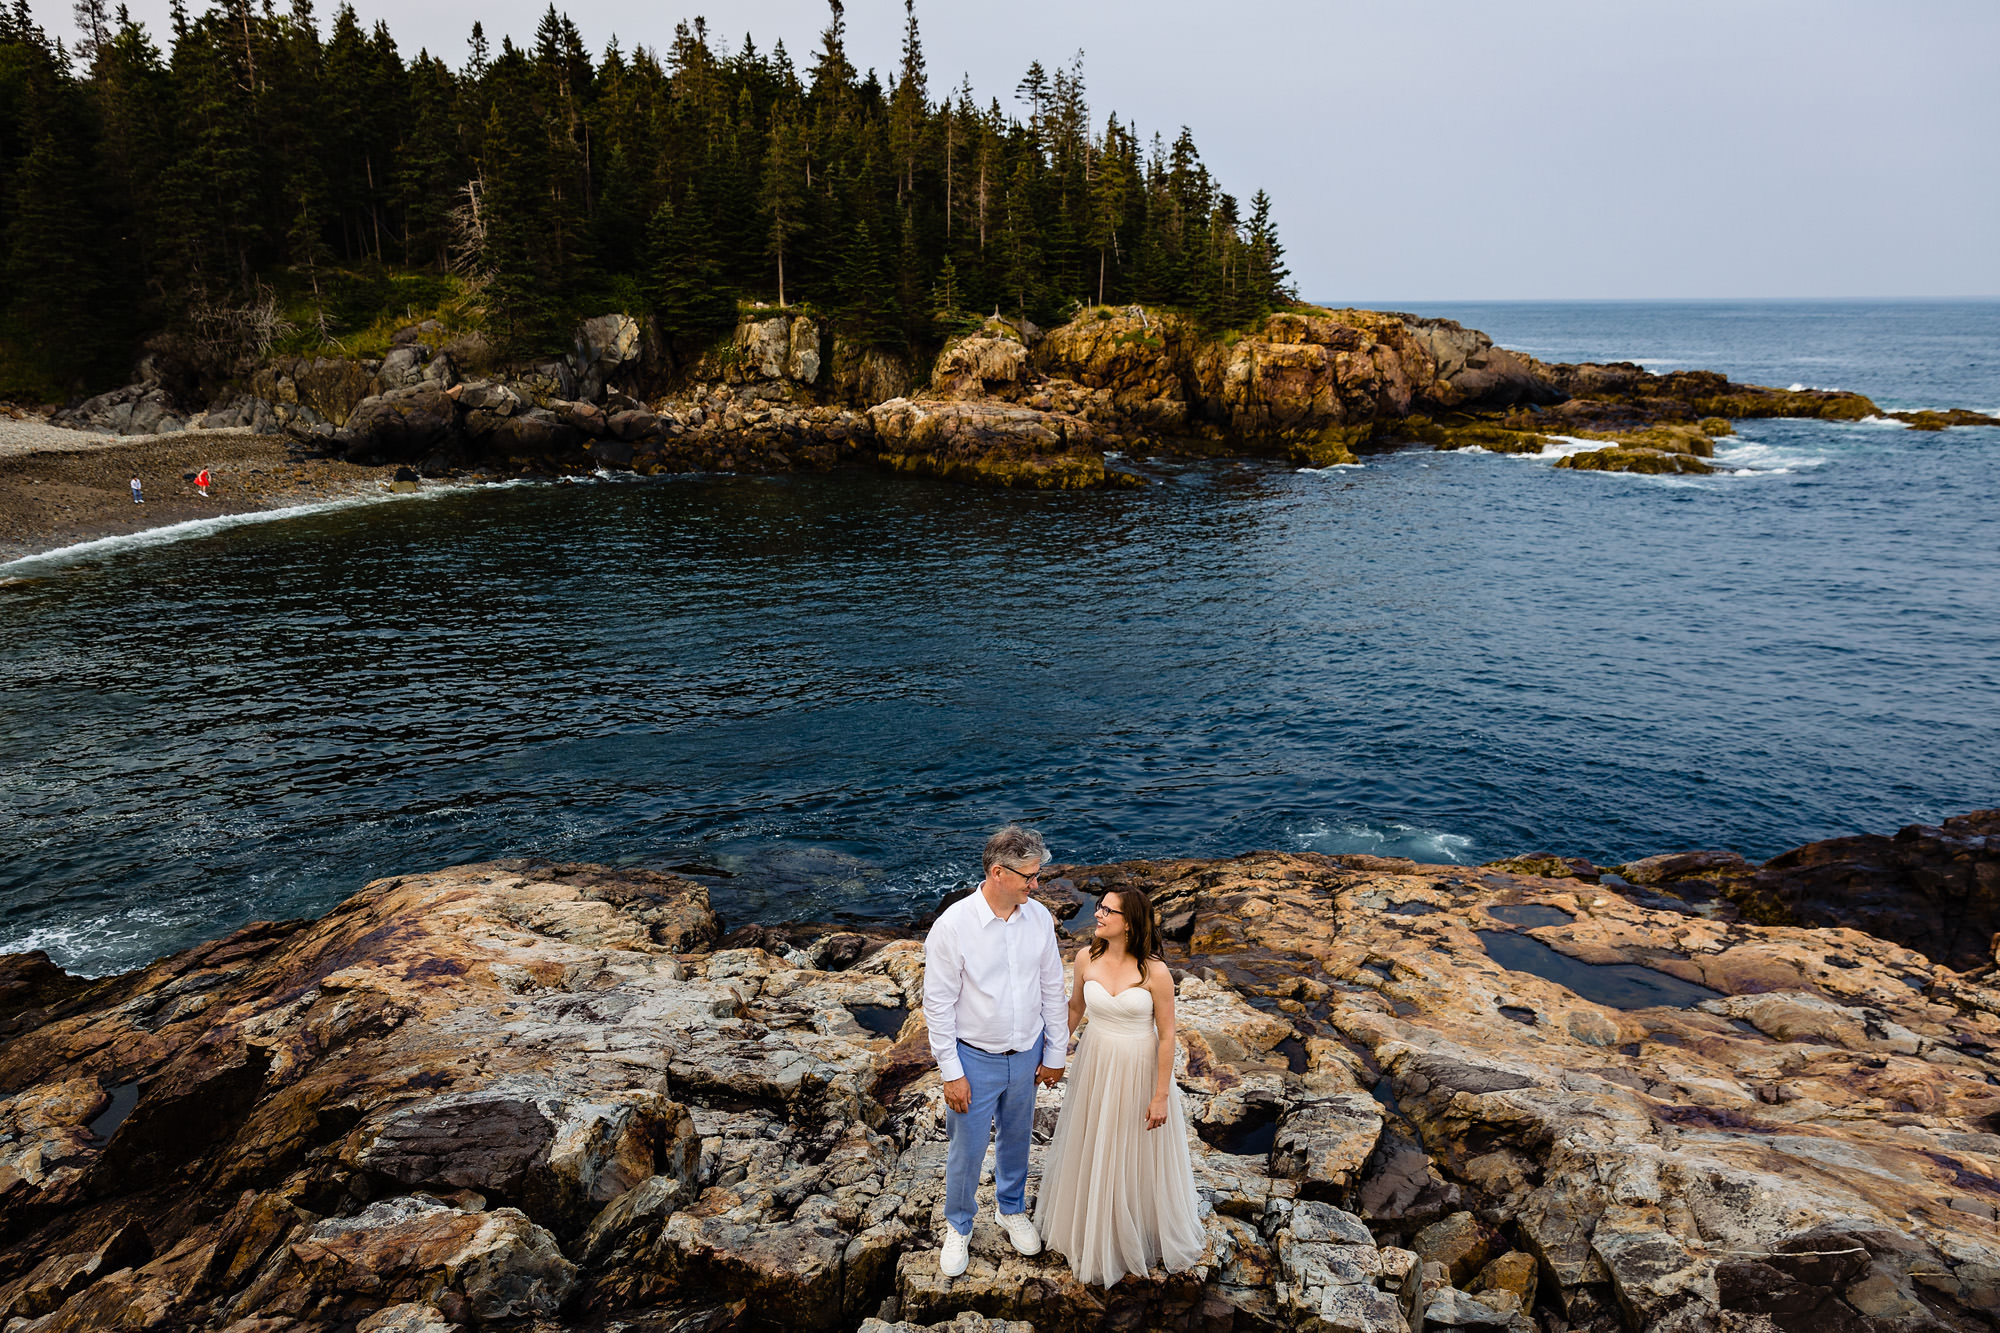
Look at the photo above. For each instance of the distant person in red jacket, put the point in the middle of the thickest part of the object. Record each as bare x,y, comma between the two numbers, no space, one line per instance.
201,482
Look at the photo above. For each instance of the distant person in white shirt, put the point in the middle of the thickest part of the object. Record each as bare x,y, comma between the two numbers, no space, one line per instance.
999,1025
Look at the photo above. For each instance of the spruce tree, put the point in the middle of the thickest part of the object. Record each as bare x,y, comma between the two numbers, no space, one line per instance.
688,288
261,157
783,194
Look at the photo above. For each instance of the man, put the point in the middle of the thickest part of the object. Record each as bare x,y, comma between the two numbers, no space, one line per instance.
999,1025
137,498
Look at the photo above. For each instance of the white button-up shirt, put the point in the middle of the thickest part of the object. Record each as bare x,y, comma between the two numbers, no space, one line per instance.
995,984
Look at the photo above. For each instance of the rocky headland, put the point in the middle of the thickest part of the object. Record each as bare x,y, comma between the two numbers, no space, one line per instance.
1688,1093
1006,404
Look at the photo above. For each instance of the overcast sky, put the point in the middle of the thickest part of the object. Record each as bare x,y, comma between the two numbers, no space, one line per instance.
1471,151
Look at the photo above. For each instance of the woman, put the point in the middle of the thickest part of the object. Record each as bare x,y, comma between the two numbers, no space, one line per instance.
1117,1191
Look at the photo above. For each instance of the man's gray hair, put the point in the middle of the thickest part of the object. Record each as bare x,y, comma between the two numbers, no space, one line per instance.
1013,844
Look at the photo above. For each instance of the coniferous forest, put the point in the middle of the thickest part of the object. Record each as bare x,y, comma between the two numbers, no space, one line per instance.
248,181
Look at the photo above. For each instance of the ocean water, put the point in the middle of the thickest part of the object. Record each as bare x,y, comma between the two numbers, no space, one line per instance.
822,692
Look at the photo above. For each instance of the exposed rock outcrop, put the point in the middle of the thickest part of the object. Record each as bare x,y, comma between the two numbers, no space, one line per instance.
144,408
1005,405
1932,888
992,442
1420,1095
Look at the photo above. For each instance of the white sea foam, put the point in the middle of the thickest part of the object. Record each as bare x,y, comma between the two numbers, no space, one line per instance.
1331,468
1563,447
1754,458
1392,839
204,527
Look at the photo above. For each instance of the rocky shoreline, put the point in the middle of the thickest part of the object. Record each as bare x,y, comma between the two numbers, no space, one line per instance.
1533,1095
1007,404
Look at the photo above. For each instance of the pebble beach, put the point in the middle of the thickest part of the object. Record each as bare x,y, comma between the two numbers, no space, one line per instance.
59,487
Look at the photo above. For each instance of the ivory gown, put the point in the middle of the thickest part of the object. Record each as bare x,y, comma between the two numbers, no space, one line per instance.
1117,1198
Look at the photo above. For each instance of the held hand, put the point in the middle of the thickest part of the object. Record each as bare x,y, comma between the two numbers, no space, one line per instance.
1048,1077
958,1095
1156,1112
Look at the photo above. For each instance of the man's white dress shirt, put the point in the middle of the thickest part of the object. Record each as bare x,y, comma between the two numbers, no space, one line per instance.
994,984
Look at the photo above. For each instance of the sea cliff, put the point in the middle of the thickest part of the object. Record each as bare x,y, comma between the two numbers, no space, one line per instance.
1538,1094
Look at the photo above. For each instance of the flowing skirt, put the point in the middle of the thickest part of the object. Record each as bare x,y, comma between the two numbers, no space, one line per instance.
1116,1198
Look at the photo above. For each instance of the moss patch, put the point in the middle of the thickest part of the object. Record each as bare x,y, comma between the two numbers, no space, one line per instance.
1328,447
1652,461
1957,416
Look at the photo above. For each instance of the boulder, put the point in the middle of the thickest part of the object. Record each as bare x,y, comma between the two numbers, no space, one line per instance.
401,368
1461,1242
331,386
989,442
1655,462
865,376
972,367
604,345
499,1265
964,1322
523,1139
632,425
1324,1144
239,412
774,347
400,424
1468,371
546,382
1933,888
525,433
1141,357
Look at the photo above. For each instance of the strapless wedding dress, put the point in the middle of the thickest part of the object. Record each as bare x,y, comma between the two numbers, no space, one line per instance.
1116,1198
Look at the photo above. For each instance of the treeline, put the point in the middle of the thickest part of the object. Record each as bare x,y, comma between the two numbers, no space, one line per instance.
256,175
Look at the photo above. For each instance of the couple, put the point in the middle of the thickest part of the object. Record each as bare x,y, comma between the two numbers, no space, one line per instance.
1117,1191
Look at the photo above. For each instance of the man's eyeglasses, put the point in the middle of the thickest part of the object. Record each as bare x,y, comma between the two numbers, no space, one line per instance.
1031,877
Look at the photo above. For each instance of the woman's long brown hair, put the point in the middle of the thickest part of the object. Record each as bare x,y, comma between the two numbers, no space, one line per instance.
1142,930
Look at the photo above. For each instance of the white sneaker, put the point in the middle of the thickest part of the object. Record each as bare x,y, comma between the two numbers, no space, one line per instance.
957,1250
1022,1232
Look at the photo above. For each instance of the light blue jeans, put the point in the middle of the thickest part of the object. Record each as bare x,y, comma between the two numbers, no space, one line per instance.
1003,1090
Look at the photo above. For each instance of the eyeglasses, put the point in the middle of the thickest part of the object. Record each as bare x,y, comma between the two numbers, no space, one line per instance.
1027,877
1102,910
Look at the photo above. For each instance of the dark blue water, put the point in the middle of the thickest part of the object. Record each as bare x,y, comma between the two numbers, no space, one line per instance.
831,688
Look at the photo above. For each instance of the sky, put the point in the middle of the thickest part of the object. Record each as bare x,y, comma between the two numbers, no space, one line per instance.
1460,151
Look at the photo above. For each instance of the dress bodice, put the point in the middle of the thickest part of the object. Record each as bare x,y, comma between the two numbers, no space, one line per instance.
1129,1013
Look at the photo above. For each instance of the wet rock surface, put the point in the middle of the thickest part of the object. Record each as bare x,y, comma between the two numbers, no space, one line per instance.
531,1095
